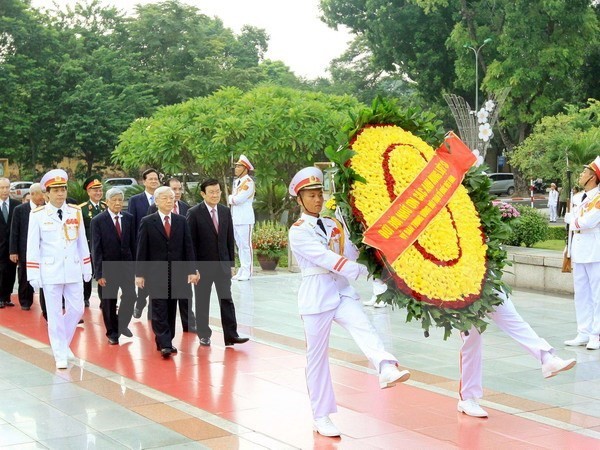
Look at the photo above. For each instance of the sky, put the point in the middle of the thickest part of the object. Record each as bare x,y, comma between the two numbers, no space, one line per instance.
297,36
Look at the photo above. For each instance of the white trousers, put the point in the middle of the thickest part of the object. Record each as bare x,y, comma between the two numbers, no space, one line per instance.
317,327
586,281
553,214
62,326
471,354
243,240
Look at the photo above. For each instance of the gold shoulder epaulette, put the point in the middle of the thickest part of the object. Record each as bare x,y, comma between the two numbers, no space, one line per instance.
81,205
75,206
39,208
299,222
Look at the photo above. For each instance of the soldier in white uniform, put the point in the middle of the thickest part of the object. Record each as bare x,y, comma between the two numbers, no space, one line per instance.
242,214
58,258
584,223
508,320
326,259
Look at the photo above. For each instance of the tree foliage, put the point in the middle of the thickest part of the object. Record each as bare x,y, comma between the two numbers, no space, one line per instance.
278,129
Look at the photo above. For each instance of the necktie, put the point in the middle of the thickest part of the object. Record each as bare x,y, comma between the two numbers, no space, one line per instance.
59,212
320,223
97,208
175,210
213,214
118,226
167,226
151,200
5,212
584,196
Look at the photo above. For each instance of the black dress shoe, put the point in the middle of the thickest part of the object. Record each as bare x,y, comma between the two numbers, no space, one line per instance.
113,341
9,303
166,352
2,305
205,342
25,308
236,340
174,350
137,313
80,321
127,332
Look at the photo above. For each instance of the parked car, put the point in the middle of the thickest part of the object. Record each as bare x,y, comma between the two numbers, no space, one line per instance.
502,183
18,189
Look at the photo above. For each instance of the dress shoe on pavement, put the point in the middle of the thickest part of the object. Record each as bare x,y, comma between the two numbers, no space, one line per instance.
113,341
9,303
25,308
580,339
593,343
371,301
166,352
2,305
62,364
236,340
471,407
137,313
390,375
325,427
80,322
380,304
555,365
174,350
205,342
126,332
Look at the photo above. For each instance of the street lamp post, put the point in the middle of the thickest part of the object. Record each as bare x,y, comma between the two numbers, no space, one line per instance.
476,51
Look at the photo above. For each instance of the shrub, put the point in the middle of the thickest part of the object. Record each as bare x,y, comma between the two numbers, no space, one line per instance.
269,238
557,233
531,227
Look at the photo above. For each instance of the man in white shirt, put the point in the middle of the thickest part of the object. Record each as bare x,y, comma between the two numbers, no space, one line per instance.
242,213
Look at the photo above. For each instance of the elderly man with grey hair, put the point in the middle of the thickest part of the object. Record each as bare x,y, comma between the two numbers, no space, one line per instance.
165,266
114,241
18,243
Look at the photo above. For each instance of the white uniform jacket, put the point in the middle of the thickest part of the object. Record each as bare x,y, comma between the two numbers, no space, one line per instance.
241,200
584,222
325,273
57,251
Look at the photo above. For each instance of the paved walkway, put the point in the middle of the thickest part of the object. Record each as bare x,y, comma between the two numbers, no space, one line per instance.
254,395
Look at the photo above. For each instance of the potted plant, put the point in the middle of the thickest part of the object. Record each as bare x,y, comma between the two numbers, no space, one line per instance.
269,240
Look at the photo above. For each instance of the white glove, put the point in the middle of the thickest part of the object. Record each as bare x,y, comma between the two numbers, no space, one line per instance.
35,284
87,277
568,218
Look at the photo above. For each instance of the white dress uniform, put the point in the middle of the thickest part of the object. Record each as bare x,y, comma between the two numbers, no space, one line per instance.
242,214
58,258
553,204
326,296
584,222
471,353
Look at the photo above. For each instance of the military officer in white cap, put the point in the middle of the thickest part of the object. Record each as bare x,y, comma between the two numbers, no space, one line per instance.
58,258
584,223
326,259
242,214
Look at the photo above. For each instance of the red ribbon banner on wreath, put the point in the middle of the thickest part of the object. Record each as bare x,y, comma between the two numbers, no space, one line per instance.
410,213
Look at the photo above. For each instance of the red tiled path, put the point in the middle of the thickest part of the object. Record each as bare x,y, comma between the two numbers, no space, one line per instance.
262,388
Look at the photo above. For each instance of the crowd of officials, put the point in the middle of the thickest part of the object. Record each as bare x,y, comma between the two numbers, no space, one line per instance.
161,249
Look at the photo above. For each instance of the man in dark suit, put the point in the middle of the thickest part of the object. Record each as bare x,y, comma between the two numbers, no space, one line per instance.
113,252
8,269
18,244
138,208
188,320
165,266
212,233
89,210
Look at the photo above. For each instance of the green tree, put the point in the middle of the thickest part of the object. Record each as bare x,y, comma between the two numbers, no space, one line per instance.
279,129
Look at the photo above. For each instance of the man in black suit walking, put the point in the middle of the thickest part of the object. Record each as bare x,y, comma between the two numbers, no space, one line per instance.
188,320
212,233
138,208
8,269
165,266
113,252
18,244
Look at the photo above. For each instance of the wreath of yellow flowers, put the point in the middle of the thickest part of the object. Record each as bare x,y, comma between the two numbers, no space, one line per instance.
449,276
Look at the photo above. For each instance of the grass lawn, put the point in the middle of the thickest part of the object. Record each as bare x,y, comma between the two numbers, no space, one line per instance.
552,244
